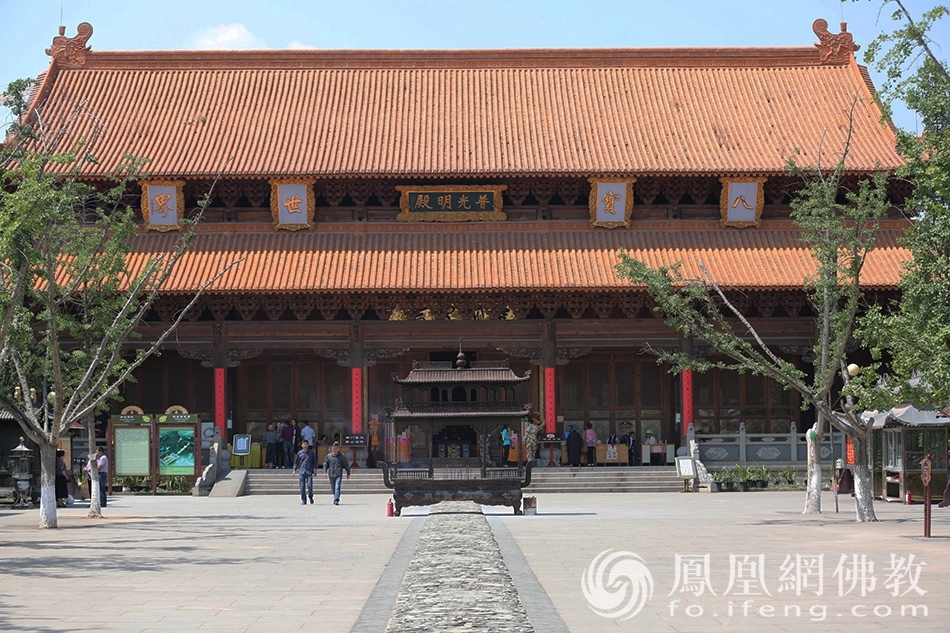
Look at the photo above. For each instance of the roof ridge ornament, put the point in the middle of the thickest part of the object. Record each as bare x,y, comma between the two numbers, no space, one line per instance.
833,49
71,51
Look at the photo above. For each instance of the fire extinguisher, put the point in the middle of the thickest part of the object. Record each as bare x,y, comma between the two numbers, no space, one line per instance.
908,498
389,508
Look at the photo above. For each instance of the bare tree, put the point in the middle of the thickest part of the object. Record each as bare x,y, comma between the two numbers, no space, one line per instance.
68,305
840,235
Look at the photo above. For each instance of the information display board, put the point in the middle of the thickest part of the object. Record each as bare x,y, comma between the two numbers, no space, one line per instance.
685,468
242,445
164,444
133,449
354,440
176,450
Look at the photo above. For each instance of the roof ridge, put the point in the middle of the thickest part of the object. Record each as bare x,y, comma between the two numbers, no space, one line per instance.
314,59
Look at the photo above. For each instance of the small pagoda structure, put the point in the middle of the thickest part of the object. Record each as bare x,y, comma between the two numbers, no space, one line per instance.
459,410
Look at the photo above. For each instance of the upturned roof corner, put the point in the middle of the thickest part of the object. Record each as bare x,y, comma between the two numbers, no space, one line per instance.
834,49
71,51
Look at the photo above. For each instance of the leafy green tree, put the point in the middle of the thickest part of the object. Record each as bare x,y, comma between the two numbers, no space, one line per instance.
915,336
839,235
68,305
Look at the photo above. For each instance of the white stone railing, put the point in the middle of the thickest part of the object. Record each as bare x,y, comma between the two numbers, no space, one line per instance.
763,448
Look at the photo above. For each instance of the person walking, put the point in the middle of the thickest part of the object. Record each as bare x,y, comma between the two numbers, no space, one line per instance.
271,444
307,433
102,466
591,436
304,464
287,439
505,444
531,431
62,479
631,441
574,443
334,465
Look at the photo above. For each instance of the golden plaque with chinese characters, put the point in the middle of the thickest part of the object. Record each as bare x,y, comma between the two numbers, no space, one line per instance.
163,203
450,203
741,201
611,202
292,203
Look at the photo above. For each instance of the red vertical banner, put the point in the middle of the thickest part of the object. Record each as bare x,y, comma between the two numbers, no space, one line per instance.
849,451
687,378
550,415
220,415
356,397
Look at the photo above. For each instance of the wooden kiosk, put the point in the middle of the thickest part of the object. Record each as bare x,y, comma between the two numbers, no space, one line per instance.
907,435
460,410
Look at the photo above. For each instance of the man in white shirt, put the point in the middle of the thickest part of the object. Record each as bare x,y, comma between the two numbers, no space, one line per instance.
650,440
307,433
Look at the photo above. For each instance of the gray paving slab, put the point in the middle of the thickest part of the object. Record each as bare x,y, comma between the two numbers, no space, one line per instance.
757,539
268,564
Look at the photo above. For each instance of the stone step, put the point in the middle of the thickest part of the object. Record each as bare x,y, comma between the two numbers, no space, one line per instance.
544,480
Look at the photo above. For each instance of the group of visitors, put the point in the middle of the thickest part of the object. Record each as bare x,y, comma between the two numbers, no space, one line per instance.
333,467
576,442
283,440
509,455
64,477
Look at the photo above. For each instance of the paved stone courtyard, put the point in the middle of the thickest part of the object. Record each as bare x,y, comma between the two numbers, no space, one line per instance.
665,562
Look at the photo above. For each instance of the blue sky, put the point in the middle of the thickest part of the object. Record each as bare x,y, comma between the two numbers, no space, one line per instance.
27,26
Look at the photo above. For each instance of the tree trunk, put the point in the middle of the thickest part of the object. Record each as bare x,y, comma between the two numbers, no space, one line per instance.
813,474
95,508
863,493
47,485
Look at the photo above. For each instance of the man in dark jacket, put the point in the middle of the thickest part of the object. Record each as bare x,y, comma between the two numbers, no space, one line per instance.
574,444
304,464
333,466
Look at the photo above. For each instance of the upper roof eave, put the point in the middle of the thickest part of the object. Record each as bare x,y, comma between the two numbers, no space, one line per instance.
435,114
486,176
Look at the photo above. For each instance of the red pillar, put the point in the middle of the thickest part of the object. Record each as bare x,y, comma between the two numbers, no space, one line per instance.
356,398
550,415
687,380
220,414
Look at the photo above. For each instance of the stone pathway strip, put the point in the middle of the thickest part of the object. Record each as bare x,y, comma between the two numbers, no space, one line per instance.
457,579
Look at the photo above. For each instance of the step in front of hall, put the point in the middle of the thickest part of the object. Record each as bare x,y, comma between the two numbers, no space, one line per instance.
543,480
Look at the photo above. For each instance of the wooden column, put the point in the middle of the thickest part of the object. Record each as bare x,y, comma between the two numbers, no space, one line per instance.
686,387
687,379
219,354
356,379
549,366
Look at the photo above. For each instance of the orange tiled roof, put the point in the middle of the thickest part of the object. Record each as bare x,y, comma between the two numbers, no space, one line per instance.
511,256
453,114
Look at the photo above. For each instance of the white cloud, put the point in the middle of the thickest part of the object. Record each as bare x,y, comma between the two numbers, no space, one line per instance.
299,44
227,36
